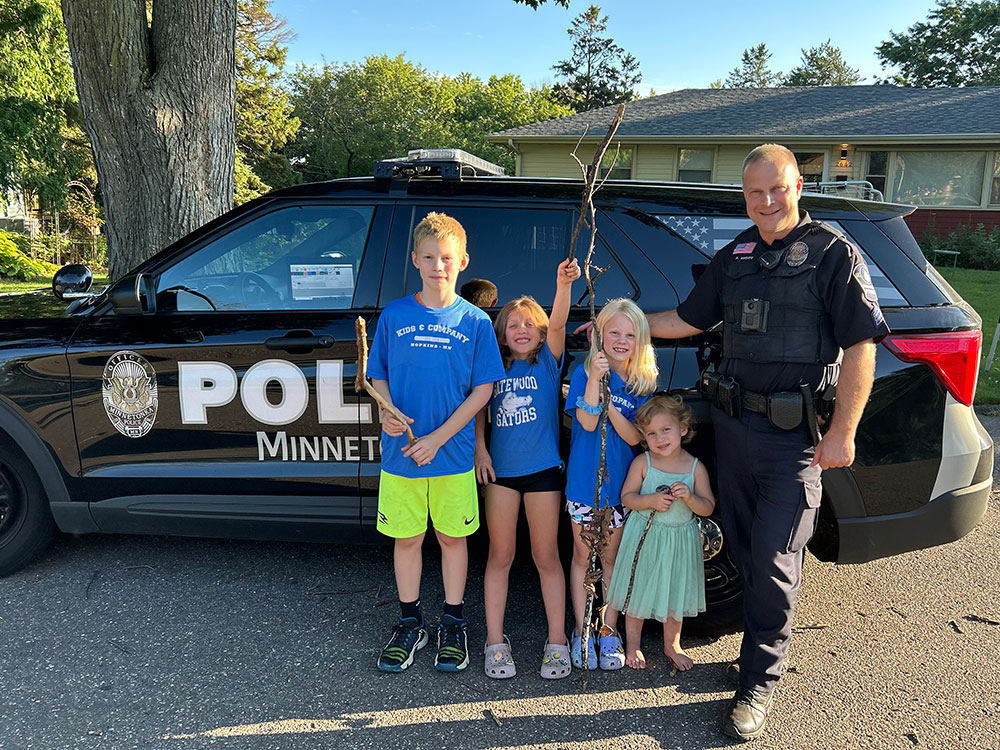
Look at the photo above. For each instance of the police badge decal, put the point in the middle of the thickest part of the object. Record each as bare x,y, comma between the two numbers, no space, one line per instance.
129,392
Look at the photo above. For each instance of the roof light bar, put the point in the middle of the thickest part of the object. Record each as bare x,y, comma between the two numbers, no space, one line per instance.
450,163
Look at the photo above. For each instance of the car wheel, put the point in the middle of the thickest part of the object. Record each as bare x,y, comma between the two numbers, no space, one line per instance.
26,525
723,588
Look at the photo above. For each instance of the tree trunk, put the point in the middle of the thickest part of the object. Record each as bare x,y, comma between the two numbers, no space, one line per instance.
158,103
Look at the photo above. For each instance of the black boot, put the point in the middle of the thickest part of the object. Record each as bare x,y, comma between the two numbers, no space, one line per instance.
732,673
747,714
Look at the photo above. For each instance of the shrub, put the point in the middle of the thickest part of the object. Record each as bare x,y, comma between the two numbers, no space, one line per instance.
977,248
15,264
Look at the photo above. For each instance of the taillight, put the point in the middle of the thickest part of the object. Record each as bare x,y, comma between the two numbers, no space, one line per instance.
953,356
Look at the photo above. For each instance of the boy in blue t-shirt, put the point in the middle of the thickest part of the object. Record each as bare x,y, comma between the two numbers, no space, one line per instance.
435,358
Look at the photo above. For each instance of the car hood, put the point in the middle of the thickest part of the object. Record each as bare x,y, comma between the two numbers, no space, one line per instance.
34,322
31,305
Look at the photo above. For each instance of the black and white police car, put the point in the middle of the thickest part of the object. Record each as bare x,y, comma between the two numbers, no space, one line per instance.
210,391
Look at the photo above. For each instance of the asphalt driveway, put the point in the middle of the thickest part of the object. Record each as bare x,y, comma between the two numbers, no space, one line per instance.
147,642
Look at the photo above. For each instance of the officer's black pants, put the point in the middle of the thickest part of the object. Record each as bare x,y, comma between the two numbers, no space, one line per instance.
769,500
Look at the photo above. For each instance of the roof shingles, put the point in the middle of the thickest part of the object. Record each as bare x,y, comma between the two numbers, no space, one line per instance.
844,111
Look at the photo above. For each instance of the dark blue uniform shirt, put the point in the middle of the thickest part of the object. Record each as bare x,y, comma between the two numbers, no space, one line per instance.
848,296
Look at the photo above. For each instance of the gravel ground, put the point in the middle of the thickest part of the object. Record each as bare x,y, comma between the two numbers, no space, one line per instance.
144,642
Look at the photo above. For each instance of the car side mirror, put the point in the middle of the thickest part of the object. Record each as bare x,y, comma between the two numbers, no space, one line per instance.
133,295
72,282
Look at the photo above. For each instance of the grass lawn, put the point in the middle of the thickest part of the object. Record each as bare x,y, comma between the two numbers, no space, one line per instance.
42,282
981,289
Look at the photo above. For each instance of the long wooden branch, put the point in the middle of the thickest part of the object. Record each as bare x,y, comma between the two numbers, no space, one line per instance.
598,531
590,173
361,379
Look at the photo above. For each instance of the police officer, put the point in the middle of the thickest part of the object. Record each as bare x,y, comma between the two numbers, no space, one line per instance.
799,317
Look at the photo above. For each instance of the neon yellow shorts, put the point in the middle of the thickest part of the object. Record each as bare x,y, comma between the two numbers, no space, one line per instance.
403,505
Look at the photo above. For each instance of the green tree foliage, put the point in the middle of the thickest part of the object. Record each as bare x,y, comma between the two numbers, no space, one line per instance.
264,121
822,66
753,71
502,102
958,45
15,263
977,246
42,144
355,114
598,72
533,4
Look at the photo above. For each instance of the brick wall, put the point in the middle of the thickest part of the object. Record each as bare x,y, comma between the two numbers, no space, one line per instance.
941,221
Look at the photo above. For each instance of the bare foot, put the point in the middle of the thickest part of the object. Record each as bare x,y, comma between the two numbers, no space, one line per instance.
680,659
635,659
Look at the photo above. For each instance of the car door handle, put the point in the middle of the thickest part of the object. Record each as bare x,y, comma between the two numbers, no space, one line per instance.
299,341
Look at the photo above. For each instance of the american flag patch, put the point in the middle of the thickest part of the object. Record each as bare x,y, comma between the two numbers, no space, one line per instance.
744,248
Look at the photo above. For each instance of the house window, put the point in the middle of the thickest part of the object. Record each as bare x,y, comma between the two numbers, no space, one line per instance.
995,188
939,178
878,164
810,165
617,168
695,164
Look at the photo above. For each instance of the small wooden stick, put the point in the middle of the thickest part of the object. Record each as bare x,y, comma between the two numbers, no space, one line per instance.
635,561
361,380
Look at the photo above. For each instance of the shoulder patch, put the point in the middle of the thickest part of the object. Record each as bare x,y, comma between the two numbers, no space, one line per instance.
864,280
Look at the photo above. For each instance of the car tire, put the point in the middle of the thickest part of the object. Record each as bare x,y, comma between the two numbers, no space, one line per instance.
26,525
723,597
719,619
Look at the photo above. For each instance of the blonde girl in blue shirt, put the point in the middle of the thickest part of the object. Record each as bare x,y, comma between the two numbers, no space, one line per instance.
627,354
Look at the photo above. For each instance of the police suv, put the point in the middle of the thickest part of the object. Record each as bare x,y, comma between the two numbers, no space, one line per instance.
210,392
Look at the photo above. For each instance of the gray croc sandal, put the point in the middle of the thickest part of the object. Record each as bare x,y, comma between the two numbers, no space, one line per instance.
499,662
555,662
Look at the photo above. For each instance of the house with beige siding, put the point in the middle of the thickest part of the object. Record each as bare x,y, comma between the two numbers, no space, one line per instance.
937,149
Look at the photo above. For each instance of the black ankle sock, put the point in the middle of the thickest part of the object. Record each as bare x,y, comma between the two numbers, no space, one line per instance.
455,610
411,609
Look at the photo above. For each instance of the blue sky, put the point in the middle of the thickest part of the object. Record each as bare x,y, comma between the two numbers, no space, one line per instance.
678,44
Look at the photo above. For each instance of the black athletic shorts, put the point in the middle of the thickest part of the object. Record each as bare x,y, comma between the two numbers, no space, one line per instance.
546,480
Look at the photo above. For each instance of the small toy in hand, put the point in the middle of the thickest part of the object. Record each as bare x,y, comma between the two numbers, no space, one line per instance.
664,488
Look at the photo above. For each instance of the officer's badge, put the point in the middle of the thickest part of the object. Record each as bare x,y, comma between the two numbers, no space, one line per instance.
797,254
129,392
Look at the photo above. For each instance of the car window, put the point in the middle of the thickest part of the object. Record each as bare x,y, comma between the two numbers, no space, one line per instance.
295,258
519,249
712,233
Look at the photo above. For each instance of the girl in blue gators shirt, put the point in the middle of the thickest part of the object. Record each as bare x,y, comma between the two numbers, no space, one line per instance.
523,461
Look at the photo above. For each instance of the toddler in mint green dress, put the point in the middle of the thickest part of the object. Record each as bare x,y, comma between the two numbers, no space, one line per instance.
666,488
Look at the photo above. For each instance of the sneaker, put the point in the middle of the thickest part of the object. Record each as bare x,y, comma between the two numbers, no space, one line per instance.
408,637
453,651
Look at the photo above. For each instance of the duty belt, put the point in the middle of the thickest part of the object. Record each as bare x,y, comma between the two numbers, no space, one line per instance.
784,409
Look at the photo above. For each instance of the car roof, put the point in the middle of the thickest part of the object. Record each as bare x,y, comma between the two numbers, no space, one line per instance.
706,198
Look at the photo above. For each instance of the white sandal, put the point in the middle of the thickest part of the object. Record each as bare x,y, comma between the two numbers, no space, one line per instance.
555,661
499,662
